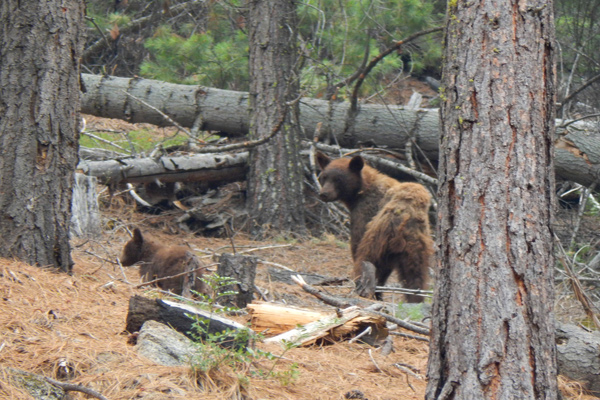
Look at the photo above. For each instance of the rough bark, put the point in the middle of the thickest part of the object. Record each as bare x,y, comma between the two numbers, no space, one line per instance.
40,47
577,150
243,270
493,327
275,178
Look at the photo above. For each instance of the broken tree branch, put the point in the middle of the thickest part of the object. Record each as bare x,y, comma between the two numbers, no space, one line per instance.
346,302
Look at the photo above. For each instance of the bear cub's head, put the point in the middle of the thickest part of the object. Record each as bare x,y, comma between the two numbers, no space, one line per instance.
132,252
340,179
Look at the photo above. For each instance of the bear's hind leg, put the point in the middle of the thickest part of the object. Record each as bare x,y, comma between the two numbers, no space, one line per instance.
382,273
414,272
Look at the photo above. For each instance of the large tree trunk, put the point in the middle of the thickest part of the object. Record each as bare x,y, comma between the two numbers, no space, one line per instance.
493,327
40,48
275,177
577,151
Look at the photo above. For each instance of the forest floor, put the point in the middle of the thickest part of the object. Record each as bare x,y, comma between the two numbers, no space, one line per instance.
50,320
53,322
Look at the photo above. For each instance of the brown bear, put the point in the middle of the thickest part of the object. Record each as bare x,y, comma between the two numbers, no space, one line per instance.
389,222
159,261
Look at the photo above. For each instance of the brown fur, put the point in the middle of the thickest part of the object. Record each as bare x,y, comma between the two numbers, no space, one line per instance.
159,261
389,224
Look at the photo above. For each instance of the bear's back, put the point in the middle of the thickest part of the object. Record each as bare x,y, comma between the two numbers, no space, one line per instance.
158,260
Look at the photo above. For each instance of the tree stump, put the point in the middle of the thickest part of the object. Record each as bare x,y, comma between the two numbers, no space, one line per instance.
243,270
85,218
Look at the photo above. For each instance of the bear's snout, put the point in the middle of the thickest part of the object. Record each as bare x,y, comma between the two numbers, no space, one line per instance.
327,196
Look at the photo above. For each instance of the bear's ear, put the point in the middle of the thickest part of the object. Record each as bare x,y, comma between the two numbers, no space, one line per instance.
137,236
322,160
356,164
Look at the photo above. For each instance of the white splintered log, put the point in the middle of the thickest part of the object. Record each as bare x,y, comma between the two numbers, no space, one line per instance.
350,321
273,319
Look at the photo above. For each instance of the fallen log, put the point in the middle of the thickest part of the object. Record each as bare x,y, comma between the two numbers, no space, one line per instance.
221,168
578,356
279,275
181,317
226,111
577,148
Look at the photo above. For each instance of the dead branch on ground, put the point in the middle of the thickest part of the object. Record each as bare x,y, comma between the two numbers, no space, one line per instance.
70,387
344,303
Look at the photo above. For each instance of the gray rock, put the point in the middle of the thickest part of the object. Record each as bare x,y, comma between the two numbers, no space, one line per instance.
36,385
164,345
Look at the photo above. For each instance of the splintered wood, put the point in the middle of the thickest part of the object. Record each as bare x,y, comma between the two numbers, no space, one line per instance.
304,327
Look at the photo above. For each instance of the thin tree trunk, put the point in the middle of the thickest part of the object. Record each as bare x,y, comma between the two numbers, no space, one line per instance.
275,177
40,47
493,327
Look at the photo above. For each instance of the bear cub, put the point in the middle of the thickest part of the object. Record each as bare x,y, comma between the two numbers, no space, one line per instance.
389,222
159,261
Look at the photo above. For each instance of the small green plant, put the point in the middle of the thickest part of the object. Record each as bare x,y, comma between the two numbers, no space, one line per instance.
286,376
143,140
231,348
217,286
221,349
217,349
412,311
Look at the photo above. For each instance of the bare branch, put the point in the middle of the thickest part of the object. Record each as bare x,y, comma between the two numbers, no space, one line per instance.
381,56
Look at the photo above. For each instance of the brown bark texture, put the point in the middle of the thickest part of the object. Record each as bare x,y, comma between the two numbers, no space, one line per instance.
40,47
275,177
493,327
